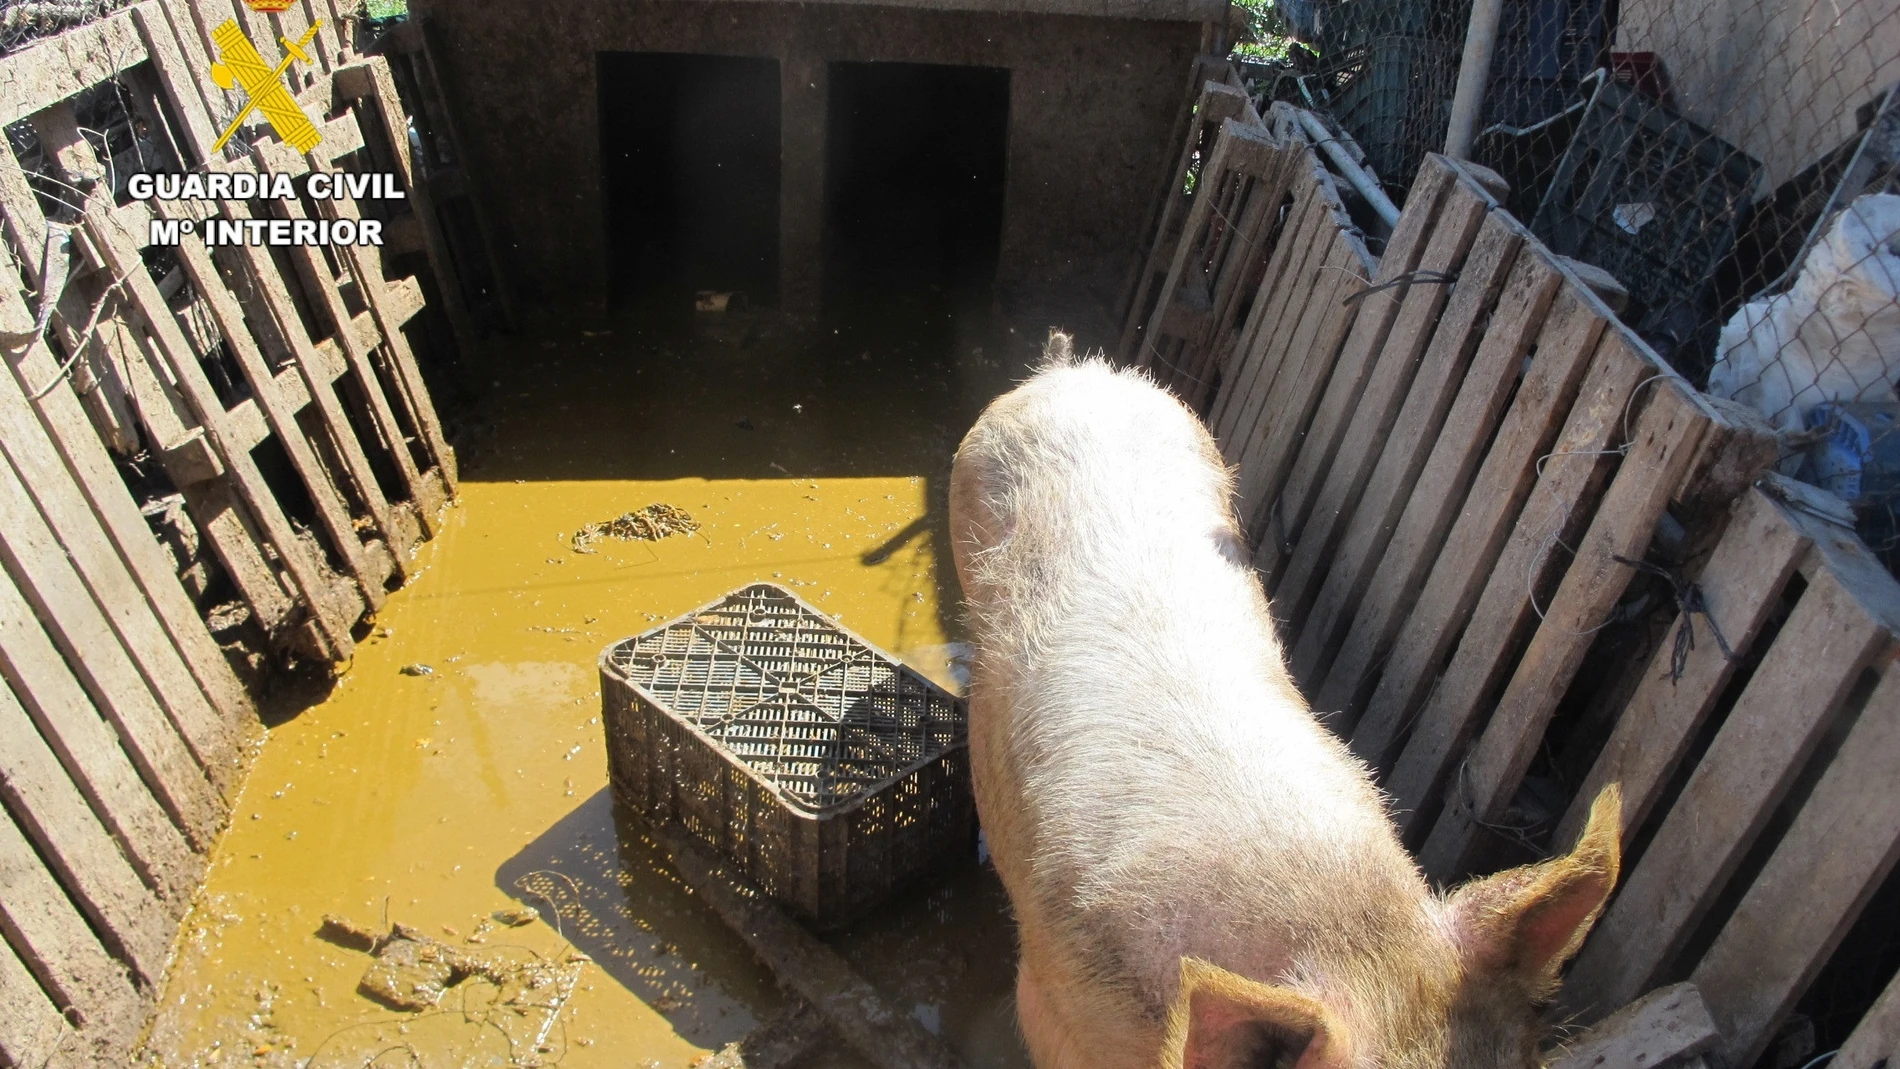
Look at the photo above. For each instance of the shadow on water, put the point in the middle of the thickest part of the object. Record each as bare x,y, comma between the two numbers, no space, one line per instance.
943,951
619,903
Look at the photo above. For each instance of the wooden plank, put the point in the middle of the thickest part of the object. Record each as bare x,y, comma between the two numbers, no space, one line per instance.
391,310
1234,145
277,157
1371,321
1166,190
451,127
883,1034
176,76
1436,493
332,509
1877,1038
1327,483
1553,508
1831,637
53,941
306,572
1741,583
91,755
1456,579
320,365
49,809
1286,290
1831,860
60,67
1287,406
1401,451
162,664
92,470
1216,104
1666,1024
60,600
31,1029
1661,446
1303,349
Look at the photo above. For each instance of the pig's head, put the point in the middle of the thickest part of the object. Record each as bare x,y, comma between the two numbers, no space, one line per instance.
1470,999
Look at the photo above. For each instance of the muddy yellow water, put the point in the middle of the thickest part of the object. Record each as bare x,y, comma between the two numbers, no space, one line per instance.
457,769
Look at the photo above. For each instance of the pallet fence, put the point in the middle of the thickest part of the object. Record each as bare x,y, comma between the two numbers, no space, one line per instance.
204,452
1515,557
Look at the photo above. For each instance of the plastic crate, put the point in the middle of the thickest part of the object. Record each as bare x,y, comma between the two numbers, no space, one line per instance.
828,772
1654,199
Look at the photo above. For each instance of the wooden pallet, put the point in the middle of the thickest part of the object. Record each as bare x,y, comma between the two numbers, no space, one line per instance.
1447,459
123,726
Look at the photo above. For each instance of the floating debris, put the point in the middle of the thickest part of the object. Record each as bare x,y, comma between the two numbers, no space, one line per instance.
515,918
649,524
416,670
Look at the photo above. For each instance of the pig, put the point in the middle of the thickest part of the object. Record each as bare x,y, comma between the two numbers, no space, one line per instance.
1203,876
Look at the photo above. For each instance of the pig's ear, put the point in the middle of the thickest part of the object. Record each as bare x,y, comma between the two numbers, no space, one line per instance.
1221,1020
1529,921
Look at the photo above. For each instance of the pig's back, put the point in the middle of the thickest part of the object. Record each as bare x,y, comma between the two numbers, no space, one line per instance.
1183,801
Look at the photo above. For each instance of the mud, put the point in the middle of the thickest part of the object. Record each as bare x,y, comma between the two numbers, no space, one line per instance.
476,791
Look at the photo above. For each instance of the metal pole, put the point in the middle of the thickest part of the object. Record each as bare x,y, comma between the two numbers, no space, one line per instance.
1474,72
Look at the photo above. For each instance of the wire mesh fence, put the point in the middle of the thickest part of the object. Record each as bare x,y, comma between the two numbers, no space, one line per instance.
1734,163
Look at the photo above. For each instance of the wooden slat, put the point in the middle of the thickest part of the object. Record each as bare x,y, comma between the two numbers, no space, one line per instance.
59,598
1877,1037
91,755
1301,347
1457,577
1832,859
1667,1024
31,1029
47,807
60,67
170,346
1402,451
1326,484
1169,186
371,83
470,182
321,365
53,941
391,309
93,472
1662,444
281,418
177,77
1554,507
1792,697
315,272
1371,321
1741,583
163,665
1285,287
1436,496
1216,103
1237,149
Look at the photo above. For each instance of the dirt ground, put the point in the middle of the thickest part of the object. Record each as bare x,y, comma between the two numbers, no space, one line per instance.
475,782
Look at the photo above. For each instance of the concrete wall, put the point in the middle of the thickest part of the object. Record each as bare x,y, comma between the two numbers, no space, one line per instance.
1092,104
1778,78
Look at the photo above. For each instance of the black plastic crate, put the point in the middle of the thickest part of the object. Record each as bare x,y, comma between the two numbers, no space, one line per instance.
1654,199
824,769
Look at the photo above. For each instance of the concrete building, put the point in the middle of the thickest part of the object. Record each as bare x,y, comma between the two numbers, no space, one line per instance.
800,151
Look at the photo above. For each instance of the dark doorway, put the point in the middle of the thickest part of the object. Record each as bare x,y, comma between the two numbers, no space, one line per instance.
915,168
690,155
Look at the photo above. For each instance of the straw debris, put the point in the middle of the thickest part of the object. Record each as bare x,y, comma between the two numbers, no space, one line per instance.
649,524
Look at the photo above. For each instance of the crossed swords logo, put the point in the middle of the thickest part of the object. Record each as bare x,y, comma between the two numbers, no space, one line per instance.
243,67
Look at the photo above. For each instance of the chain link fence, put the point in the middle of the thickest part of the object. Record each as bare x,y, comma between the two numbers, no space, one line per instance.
1734,163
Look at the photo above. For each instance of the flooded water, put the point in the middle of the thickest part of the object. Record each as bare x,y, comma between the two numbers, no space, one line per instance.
457,770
